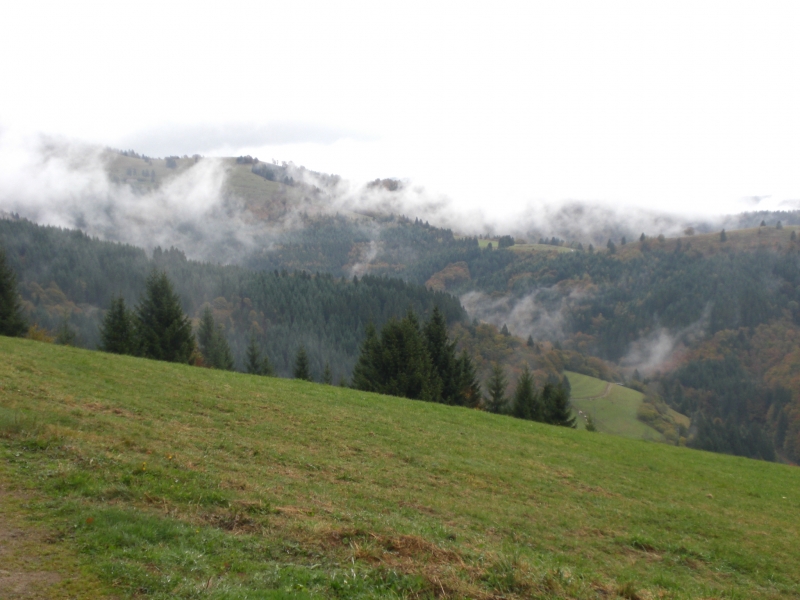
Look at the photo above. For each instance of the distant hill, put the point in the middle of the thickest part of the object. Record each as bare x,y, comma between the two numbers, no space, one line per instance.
165,480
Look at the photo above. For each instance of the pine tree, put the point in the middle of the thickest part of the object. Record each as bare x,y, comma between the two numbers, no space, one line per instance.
164,332
557,410
469,390
442,353
397,363
529,343
213,345
526,400
365,373
405,367
723,237
496,387
327,376
116,333
301,367
12,323
253,359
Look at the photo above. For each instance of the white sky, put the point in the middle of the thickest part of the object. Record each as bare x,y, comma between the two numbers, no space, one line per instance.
690,106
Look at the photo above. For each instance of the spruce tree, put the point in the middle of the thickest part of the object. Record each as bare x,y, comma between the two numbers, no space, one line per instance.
327,376
526,400
12,323
398,362
496,388
301,367
469,390
213,345
252,362
164,332
557,410
405,368
116,331
366,372
443,357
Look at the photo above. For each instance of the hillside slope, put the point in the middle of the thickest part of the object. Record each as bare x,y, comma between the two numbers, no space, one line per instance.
174,481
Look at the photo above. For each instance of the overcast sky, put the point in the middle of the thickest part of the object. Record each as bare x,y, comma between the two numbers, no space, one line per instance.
675,106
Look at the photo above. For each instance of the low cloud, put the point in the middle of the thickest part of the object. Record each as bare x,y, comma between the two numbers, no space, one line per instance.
660,349
61,183
542,314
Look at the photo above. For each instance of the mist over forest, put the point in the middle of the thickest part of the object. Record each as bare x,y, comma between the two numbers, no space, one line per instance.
621,293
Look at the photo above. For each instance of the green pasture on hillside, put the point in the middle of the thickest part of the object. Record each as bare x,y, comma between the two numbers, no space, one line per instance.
584,386
613,407
167,481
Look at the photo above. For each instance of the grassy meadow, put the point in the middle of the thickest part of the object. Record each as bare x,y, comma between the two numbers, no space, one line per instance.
148,479
613,407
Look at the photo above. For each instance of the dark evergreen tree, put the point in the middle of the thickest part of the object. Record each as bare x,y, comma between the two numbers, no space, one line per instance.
398,363
163,330
301,369
723,237
366,374
526,401
566,385
116,332
557,410
213,345
496,388
442,353
327,376
612,247
255,363
12,323
469,390
529,343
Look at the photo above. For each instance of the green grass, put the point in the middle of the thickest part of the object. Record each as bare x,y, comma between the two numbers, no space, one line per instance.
177,482
584,386
613,412
484,243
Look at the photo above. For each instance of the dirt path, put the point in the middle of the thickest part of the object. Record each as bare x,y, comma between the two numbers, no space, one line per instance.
32,563
605,393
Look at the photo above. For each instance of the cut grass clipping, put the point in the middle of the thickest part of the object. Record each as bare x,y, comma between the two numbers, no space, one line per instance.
169,481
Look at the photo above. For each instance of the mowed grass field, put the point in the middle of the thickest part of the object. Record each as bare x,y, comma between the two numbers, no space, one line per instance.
613,407
156,480
484,243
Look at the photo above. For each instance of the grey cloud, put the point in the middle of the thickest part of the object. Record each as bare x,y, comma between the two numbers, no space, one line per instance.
542,314
654,351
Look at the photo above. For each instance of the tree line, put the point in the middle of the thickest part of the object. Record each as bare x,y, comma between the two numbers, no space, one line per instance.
418,361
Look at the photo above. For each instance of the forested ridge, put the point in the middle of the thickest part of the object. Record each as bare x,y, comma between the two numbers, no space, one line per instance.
611,304
67,276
